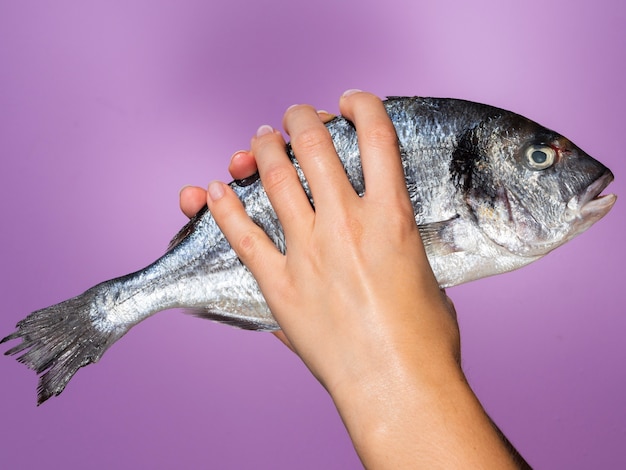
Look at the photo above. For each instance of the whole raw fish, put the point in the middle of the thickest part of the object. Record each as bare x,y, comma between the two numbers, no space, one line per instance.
491,190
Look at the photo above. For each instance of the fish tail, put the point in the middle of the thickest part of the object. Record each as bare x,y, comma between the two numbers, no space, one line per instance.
61,339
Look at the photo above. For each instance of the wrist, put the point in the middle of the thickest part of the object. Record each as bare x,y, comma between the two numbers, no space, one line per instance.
389,409
419,412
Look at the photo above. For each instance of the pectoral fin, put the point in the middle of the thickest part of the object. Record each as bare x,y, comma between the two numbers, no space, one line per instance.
438,237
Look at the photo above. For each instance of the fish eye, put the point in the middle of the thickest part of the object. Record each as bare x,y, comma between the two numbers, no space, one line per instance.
540,157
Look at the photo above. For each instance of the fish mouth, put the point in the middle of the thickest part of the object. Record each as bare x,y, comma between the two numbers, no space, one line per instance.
591,205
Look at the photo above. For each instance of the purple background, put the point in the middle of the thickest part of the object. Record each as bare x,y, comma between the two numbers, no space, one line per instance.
108,108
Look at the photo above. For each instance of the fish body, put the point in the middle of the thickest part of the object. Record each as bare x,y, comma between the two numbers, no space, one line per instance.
491,191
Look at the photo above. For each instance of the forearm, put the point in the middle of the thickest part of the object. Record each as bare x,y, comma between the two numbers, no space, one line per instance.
412,417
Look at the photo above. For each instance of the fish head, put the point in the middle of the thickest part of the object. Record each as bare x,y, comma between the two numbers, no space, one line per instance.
529,189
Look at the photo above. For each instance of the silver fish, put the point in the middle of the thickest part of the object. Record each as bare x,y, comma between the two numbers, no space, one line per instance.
491,190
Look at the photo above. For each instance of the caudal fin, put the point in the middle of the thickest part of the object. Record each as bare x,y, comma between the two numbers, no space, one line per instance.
60,340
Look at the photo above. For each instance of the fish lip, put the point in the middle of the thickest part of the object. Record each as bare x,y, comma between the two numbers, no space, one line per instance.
595,188
591,204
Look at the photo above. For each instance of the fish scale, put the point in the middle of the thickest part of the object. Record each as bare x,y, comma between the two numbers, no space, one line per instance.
491,190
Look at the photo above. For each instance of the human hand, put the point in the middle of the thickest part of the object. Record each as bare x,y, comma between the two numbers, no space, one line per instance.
243,165
391,272
354,293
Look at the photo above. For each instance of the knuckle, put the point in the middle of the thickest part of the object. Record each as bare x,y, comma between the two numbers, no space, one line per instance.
381,134
309,140
276,177
247,245
402,206
350,229
402,218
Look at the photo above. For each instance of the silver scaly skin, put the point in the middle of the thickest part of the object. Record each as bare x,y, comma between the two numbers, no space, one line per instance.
491,191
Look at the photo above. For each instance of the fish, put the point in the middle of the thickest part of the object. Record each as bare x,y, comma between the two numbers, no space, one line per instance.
491,191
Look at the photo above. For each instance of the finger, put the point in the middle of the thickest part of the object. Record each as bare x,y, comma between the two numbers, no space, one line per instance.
378,144
252,245
315,151
280,179
242,165
325,116
192,199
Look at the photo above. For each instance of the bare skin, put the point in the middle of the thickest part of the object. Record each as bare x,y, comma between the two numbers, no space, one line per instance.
355,296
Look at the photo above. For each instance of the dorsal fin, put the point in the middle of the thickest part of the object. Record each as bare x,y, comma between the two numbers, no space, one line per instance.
186,230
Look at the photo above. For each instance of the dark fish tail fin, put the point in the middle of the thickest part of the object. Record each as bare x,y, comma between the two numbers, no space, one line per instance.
61,339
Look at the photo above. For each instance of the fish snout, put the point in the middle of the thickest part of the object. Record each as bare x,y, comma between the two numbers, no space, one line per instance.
590,206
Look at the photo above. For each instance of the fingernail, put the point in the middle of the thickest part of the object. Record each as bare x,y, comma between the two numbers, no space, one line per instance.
263,130
292,106
216,190
237,153
325,116
350,92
